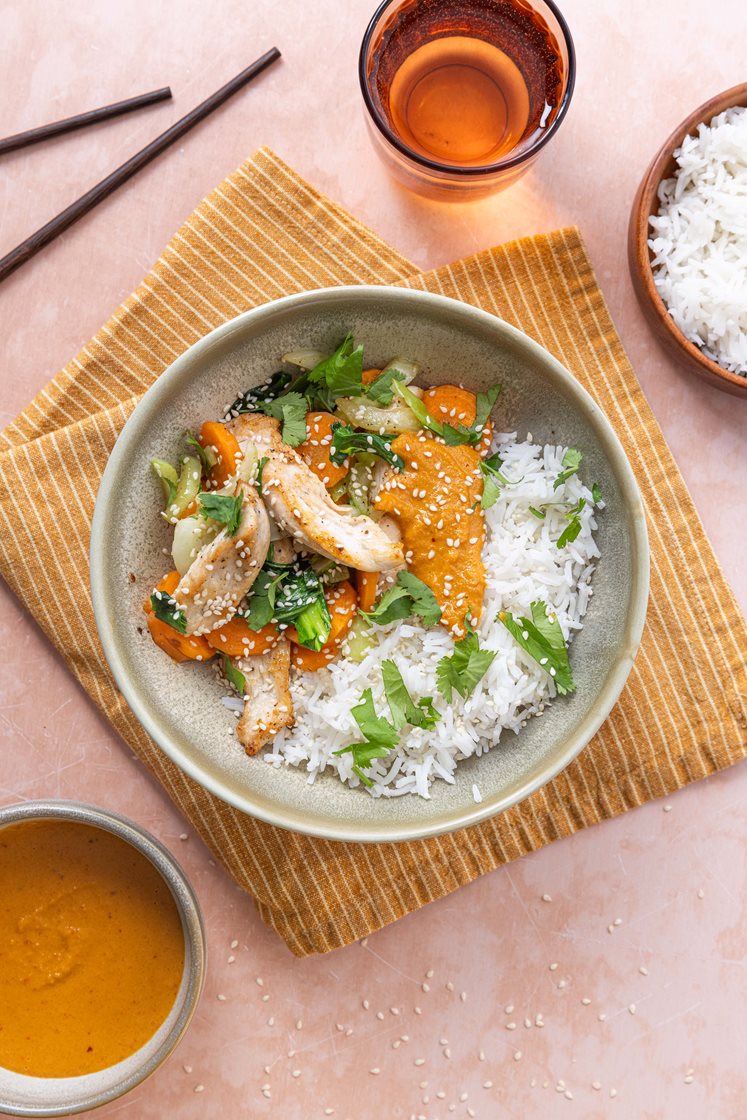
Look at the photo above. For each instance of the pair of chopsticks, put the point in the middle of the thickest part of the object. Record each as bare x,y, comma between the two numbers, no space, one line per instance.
76,210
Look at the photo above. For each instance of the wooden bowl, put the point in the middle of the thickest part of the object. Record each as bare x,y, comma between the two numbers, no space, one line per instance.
639,254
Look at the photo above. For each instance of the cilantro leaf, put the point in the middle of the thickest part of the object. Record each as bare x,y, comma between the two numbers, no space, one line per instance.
291,410
165,608
424,602
341,372
234,676
346,440
253,399
224,508
573,528
381,390
493,479
394,604
380,737
540,513
466,667
596,493
571,461
542,638
401,704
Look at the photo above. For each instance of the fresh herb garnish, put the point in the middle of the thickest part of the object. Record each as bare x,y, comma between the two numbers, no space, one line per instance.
453,436
165,608
381,390
341,372
291,410
224,508
260,471
346,440
540,513
571,461
542,638
573,528
379,734
234,676
207,456
493,479
253,399
466,667
408,596
401,704
596,493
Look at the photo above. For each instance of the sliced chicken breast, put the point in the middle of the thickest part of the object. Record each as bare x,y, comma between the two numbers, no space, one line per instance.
222,573
300,504
268,706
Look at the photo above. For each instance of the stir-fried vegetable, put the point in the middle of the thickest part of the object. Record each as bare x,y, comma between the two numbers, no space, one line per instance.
392,420
346,440
237,639
168,478
342,604
290,593
449,433
251,400
216,437
317,447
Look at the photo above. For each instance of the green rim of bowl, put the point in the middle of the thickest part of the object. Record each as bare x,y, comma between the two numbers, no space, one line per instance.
469,814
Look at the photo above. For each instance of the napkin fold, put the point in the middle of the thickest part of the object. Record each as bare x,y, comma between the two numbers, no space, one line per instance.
264,233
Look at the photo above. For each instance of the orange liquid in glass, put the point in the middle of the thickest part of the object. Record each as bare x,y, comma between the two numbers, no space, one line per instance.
466,83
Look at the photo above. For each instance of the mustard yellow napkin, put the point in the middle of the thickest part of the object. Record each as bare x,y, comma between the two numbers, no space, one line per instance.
264,233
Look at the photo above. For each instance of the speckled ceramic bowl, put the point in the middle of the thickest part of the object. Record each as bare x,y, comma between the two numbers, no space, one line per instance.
181,707
63,1096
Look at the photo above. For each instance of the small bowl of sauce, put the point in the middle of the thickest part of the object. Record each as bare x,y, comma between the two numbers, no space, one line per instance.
102,957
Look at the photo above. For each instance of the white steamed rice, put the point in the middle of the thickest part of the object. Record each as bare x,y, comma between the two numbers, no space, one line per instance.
523,563
699,240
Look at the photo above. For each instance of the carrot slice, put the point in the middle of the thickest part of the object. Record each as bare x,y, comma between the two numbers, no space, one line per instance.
180,647
366,584
168,584
316,447
452,405
237,639
225,444
370,375
342,602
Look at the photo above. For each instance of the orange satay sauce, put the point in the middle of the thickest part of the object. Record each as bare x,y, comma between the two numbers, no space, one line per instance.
91,949
436,501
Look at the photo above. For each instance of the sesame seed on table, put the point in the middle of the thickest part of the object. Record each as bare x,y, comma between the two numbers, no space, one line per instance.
602,976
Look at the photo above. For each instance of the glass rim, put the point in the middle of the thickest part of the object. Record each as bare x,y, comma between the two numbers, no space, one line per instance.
455,169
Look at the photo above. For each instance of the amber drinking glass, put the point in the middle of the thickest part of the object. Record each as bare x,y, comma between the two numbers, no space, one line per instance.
462,95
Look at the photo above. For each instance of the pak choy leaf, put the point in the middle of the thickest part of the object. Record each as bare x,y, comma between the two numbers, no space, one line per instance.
466,667
223,508
346,441
260,604
167,610
206,455
234,676
542,638
253,399
453,436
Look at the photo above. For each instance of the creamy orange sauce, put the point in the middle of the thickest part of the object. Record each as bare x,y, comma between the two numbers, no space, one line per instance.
436,501
91,949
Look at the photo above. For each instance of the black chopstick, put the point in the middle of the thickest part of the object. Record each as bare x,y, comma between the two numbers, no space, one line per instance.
93,116
76,210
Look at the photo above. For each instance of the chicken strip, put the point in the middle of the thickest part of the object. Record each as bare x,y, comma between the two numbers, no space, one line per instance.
210,591
300,504
268,706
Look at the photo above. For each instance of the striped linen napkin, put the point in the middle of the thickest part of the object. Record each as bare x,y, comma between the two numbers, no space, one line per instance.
265,233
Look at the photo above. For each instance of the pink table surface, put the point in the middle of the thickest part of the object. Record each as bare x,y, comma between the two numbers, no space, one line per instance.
627,942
